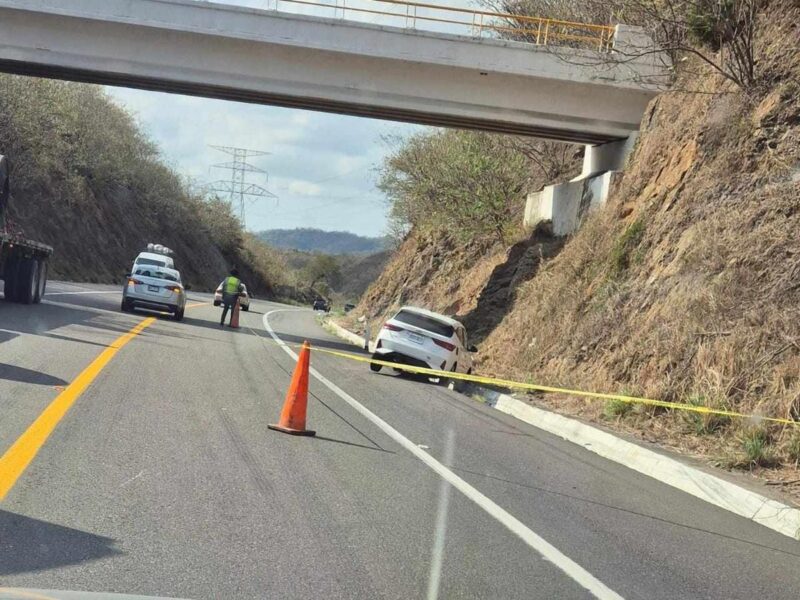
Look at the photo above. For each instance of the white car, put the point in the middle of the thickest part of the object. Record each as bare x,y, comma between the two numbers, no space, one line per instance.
244,297
421,338
154,288
153,259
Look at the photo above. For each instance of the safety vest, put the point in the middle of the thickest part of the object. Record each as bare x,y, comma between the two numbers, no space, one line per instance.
231,285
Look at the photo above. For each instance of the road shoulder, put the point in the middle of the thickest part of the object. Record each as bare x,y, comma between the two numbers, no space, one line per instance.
672,471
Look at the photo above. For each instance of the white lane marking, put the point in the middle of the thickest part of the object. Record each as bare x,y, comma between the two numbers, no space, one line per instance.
440,531
88,292
578,574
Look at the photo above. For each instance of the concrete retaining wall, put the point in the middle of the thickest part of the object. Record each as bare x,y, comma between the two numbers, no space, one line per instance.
565,205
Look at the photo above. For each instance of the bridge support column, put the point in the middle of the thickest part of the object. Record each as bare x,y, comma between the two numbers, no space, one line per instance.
607,157
565,205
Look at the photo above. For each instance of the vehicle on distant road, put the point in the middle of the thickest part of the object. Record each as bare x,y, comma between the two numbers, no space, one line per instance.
154,259
154,288
422,338
322,304
244,297
23,262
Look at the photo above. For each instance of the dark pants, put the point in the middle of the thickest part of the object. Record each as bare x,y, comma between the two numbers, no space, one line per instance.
227,304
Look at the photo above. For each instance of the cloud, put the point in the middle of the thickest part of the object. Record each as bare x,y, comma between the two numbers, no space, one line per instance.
304,188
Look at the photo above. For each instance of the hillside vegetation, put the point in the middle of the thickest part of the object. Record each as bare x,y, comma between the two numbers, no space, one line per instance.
307,239
686,286
87,181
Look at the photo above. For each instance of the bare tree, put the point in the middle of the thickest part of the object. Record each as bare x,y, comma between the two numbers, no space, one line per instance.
720,33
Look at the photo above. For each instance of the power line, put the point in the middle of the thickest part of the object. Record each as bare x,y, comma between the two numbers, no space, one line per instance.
238,187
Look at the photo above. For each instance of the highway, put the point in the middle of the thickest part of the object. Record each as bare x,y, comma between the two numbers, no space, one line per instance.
162,478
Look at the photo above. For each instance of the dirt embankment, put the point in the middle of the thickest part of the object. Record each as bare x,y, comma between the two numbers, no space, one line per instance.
686,286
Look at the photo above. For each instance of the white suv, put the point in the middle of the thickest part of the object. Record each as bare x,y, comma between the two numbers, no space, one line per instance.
419,337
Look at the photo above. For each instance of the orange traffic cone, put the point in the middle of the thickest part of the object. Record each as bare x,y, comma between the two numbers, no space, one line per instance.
235,315
293,415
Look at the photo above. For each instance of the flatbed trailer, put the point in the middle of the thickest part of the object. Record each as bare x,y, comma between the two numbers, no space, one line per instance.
23,262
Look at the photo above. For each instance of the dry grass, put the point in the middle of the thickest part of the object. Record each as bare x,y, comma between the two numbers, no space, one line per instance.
687,285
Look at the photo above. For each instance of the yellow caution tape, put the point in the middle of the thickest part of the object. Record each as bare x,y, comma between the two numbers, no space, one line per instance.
545,388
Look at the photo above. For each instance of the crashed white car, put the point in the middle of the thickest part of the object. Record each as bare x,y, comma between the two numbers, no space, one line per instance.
422,338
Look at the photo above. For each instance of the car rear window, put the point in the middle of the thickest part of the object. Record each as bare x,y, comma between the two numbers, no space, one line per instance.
145,272
151,261
423,322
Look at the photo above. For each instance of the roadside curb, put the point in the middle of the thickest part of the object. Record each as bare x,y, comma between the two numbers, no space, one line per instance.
779,517
751,505
355,339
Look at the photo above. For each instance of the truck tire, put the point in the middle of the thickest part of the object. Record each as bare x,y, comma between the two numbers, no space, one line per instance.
27,283
42,284
10,278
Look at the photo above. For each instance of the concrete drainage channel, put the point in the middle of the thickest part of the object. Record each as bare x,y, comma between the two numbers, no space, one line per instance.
749,504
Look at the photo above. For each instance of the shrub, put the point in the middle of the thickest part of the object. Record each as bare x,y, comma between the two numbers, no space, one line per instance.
620,257
705,423
616,408
755,446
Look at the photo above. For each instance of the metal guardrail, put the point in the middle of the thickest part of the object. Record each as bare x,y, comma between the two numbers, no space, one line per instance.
534,30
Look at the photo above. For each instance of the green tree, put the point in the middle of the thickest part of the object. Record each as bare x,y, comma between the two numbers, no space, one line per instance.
469,183
323,268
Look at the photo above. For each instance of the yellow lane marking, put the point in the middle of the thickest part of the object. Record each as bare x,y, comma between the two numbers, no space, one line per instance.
17,458
193,305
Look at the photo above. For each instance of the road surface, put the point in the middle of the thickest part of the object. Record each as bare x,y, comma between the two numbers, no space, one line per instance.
163,479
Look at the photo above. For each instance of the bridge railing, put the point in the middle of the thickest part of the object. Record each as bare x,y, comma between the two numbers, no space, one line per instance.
475,23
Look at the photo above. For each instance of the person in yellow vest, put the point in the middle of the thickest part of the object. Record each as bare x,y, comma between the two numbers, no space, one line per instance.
231,290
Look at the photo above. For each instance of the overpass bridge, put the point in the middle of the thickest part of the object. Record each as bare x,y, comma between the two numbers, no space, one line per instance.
534,87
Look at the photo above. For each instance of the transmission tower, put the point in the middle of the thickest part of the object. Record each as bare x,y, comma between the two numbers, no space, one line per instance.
237,186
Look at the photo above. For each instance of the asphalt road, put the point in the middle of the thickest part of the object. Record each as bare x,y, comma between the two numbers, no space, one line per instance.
163,479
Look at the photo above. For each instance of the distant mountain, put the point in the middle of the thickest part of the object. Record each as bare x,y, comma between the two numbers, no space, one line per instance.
317,240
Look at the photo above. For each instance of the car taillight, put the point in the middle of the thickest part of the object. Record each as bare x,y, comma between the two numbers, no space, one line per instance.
391,327
173,288
445,345
132,281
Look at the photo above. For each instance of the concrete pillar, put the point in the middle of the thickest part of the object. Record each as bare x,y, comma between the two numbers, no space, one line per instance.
565,205
606,157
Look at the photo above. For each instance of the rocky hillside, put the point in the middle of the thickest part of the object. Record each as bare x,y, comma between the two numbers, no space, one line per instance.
88,182
686,286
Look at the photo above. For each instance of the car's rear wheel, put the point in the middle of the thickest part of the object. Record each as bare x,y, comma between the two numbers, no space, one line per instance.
373,367
246,308
126,305
217,302
178,314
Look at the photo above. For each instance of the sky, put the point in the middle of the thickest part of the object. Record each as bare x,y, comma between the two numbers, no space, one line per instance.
322,167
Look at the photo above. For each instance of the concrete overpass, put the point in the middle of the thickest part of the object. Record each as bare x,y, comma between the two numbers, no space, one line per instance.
283,59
